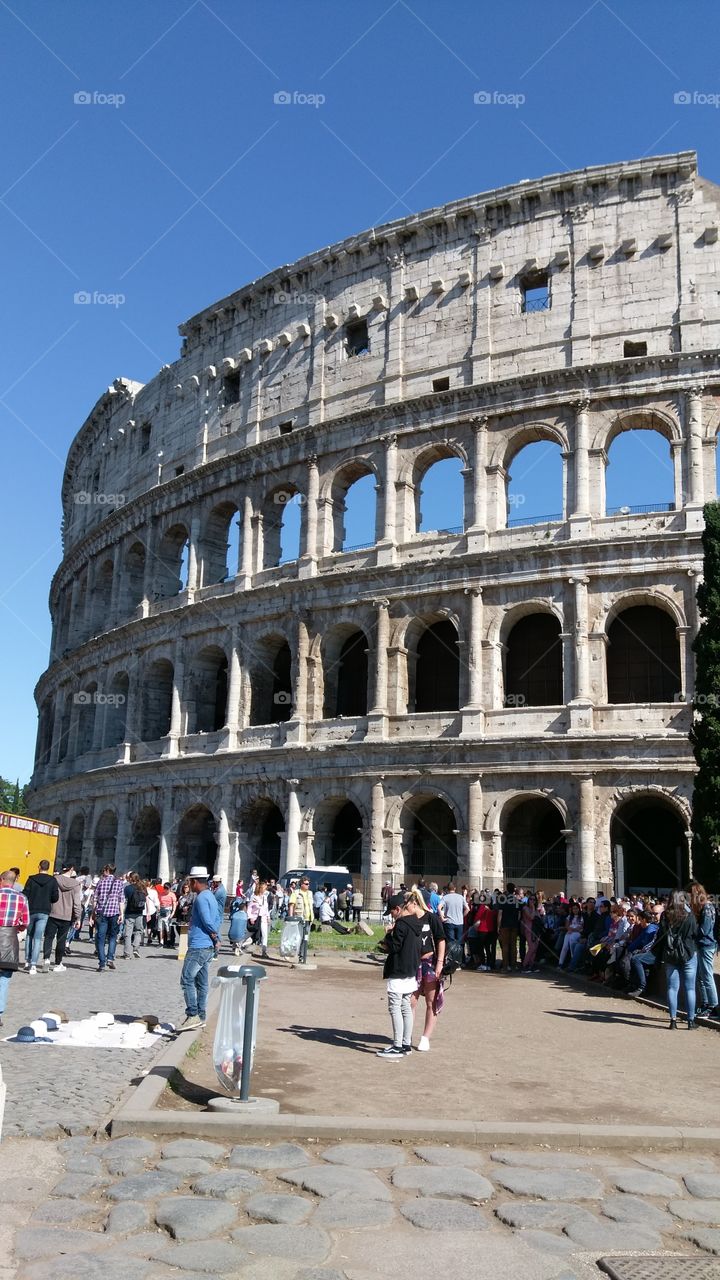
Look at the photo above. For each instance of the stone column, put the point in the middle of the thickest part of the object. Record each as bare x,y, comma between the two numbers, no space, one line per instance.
291,843
259,541
246,546
581,656
377,844
584,881
234,694
121,838
101,708
316,375
477,529
88,844
193,578
166,831
377,715
295,727
222,860
176,726
475,844
308,559
473,717
695,496
150,567
395,322
58,710
580,513
114,609
387,548
133,710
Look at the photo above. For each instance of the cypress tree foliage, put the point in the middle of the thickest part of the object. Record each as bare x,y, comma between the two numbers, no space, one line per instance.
705,732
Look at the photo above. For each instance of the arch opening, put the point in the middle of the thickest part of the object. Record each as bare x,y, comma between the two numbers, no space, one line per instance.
207,706
437,669
533,844
220,545
338,835
264,830
271,700
196,844
116,710
535,487
533,662
639,476
105,841
145,842
171,570
649,846
643,656
440,497
157,696
431,841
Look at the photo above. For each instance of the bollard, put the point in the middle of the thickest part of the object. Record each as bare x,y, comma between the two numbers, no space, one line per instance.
234,1045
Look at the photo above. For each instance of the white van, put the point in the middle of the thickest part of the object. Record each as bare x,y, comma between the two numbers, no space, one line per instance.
337,877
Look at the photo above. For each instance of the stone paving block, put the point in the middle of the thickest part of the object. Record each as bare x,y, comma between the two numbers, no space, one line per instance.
705,1211
123,1166
211,1257
187,1168
22,1190
320,1273
127,1217
706,1186
310,1244
644,1182
76,1186
705,1238
134,1148
193,1149
550,1184
448,1157
365,1155
328,1181
678,1165
544,1159
144,1186
73,1146
145,1244
285,1210
342,1214
66,1211
46,1242
444,1215
227,1184
611,1237
84,1164
529,1214
548,1243
285,1155
85,1266
459,1184
632,1209
194,1218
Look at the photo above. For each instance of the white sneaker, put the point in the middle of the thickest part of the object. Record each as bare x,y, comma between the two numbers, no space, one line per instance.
46,966
60,968
423,1044
32,969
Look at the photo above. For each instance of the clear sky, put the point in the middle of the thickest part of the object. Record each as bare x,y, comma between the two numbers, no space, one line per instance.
197,181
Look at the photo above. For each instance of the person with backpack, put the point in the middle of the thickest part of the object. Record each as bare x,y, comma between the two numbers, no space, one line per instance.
238,923
402,944
134,916
432,956
707,929
676,948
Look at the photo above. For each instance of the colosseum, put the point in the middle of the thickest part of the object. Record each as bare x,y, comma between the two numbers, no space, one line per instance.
231,682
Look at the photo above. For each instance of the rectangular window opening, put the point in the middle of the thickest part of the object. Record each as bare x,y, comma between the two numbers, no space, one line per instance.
535,291
179,471
231,388
441,384
357,342
145,434
634,348
286,427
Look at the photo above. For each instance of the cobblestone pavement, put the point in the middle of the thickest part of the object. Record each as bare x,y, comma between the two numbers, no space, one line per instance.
52,1089
190,1208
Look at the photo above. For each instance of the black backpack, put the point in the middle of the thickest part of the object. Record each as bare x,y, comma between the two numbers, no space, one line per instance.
136,902
453,958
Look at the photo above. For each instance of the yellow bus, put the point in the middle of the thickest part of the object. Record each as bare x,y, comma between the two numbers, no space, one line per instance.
25,842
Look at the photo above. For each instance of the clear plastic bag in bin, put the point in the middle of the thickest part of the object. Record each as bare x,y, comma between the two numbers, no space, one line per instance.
229,1033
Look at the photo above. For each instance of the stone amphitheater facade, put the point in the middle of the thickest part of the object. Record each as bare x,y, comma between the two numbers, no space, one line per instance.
475,701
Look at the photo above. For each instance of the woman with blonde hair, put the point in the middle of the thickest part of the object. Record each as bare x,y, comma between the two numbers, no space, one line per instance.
432,955
676,948
704,912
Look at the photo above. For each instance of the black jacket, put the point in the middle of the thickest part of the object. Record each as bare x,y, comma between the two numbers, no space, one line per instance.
403,948
41,891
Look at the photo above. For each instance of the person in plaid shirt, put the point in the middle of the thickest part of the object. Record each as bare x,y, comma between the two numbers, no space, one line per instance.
14,916
108,902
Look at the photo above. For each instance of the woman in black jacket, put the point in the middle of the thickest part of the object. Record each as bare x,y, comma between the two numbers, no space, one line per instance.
676,948
402,945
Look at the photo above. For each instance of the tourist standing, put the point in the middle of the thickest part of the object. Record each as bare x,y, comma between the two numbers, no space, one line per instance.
432,955
109,902
64,912
356,903
219,893
531,919
402,944
41,891
134,914
238,923
14,916
453,909
704,913
203,941
301,908
259,916
509,925
676,948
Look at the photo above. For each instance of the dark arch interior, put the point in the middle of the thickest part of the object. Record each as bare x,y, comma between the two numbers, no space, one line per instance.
145,848
347,839
643,656
649,847
196,841
533,668
533,843
267,856
437,674
433,842
352,681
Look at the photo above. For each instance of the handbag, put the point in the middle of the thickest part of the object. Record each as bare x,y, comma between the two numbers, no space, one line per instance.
9,949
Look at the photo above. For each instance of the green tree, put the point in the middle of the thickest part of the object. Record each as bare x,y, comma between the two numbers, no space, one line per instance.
705,732
13,797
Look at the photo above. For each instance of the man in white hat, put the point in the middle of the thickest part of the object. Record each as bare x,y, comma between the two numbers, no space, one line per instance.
203,938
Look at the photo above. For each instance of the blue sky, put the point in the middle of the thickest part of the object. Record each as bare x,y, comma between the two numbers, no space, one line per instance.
198,182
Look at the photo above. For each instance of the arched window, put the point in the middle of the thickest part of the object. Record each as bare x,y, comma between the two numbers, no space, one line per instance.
196,840
533,664
145,843
437,669
219,547
133,578
431,842
74,841
440,498
535,485
282,525
207,706
172,561
650,851
346,675
640,476
271,682
86,699
105,841
338,835
157,693
643,656
534,844
354,510
65,723
116,710
44,735
264,827
101,596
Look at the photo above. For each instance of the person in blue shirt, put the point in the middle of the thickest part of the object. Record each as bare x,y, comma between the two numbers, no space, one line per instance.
203,939
639,950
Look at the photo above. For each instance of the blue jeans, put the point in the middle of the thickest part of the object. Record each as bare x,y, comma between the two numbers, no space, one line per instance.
107,932
453,932
5,976
35,935
689,974
639,966
706,975
194,980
